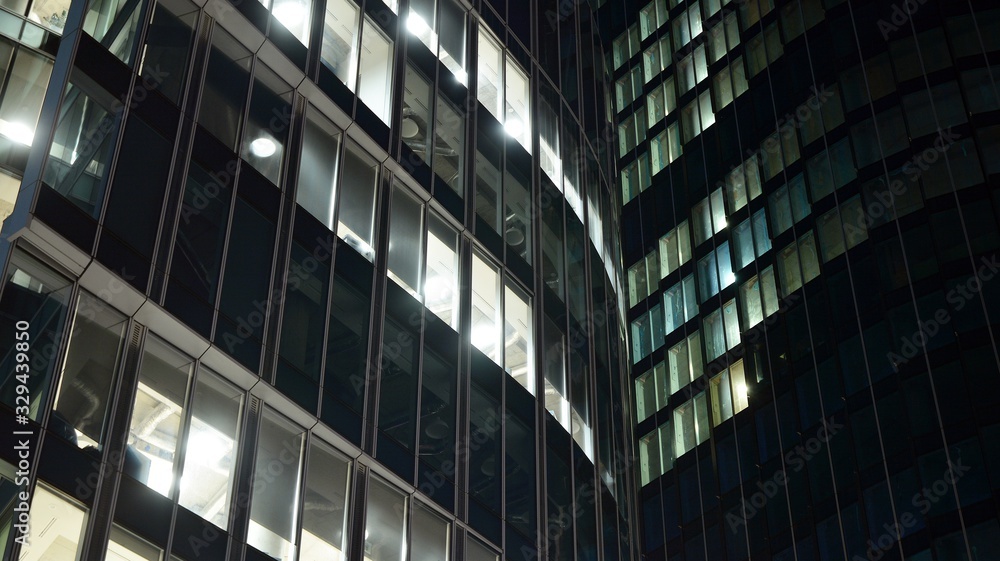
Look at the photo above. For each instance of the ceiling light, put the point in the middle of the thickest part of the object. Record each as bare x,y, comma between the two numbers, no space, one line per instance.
483,337
514,127
290,14
416,24
18,132
262,147
409,128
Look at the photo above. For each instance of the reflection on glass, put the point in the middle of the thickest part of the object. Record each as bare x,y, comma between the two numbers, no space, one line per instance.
317,180
490,69
274,509
168,46
82,146
324,536
113,23
267,124
211,448
554,364
430,535
158,411
385,532
225,92
87,375
517,121
357,200
406,218
340,40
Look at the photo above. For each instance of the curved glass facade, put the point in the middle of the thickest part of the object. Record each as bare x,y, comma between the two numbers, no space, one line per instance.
312,279
809,233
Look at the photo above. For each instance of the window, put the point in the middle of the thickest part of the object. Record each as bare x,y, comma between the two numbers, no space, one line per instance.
651,392
54,520
274,506
519,352
675,249
340,40
22,97
375,74
486,334
159,411
357,200
126,546
684,429
265,136
548,137
490,73
554,365
227,81
429,17
722,399
86,106
830,237
649,457
31,290
715,336
385,522
406,240
91,365
441,291
324,530
517,121
431,534
679,304
317,179
211,448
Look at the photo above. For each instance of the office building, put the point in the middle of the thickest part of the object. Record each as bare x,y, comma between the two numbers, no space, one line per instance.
311,279
810,236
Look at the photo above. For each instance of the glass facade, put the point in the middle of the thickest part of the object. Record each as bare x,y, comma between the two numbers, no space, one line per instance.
312,280
813,328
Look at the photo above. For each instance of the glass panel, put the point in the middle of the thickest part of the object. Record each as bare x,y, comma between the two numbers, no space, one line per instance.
722,400
490,68
769,291
211,448
317,181
324,536
449,145
267,124
295,16
519,212
406,219
452,26
517,121
750,303
732,324
431,535
89,371
475,551
57,527
168,46
304,315
22,99
113,23
385,531
224,95
684,429
355,222
418,96
554,363
519,354
38,295
441,291
649,457
274,509
126,546
715,339
375,89
51,14
486,334
701,416
340,37
154,430
489,162
77,160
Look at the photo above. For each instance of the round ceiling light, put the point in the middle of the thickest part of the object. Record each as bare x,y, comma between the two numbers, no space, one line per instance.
262,147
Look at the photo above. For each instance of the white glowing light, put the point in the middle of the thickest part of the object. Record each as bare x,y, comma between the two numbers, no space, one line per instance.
18,132
416,24
262,147
514,127
483,336
290,14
